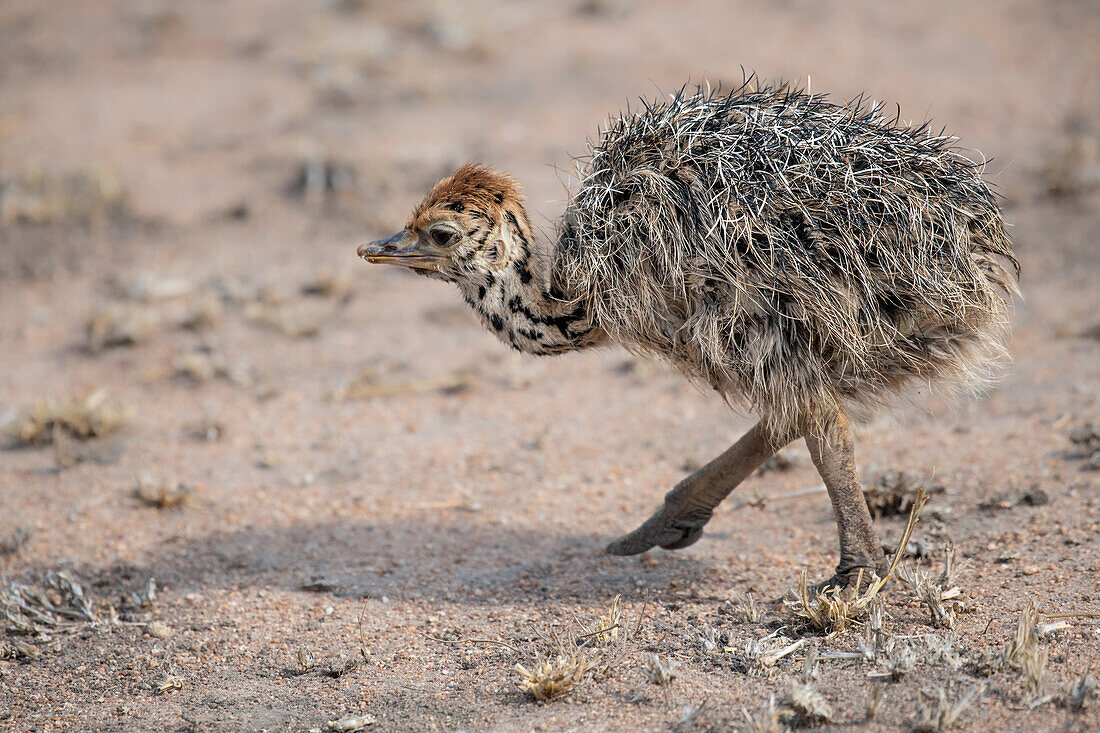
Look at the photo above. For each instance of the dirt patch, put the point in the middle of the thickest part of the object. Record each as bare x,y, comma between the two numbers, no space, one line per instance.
334,502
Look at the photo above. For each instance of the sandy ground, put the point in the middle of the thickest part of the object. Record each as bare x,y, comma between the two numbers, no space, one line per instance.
214,159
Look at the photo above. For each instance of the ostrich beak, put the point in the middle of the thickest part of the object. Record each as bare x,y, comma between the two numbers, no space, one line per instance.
401,249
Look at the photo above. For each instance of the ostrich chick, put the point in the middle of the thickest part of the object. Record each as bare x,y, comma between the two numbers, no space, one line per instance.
807,260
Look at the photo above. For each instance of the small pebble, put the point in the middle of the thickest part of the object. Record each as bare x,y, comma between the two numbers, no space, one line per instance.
158,629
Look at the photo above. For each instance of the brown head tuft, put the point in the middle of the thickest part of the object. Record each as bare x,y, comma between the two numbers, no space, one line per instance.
472,187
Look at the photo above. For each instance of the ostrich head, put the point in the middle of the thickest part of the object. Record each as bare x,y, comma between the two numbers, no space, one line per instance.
472,224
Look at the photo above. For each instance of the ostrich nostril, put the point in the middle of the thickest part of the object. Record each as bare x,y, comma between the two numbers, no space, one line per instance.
391,245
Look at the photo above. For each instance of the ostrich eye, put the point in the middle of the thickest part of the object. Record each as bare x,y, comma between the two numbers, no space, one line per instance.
443,237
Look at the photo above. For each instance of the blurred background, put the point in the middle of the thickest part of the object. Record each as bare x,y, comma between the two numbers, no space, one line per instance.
200,108
182,189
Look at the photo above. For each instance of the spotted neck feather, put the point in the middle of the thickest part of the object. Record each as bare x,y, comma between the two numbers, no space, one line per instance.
521,301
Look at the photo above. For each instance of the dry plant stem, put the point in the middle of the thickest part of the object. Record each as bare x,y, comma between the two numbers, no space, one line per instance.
834,608
641,616
597,632
761,501
679,522
834,456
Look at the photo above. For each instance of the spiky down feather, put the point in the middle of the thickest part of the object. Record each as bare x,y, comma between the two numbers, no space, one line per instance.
798,256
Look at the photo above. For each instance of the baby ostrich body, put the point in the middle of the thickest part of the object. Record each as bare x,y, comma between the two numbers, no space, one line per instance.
807,260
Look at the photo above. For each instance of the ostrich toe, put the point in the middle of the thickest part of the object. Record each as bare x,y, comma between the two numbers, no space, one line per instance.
666,529
679,522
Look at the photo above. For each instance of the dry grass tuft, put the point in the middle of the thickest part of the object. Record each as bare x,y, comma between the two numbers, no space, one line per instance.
743,609
1076,170
87,198
278,319
895,656
941,650
565,659
942,715
1086,437
168,682
874,639
834,609
553,678
170,495
204,313
762,654
807,703
146,596
712,640
210,426
14,542
606,628
327,284
1023,654
690,713
19,650
83,418
941,595
59,604
146,287
660,672
202,366
874,704
323,182
117,324
1079,693
764,720
895,661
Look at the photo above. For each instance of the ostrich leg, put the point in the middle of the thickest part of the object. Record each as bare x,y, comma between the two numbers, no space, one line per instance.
833,454
690,505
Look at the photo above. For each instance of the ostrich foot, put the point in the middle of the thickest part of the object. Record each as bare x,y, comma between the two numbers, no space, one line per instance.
689,506
666,529
864,575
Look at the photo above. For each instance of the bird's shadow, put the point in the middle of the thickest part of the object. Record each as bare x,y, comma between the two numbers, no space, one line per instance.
451,560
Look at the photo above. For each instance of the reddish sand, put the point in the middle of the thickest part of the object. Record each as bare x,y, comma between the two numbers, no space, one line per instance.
479,513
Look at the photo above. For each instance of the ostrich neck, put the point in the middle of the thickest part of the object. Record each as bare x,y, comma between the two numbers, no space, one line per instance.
524,306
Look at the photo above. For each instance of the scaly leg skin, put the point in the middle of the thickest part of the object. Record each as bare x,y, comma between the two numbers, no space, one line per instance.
833,454
690,505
